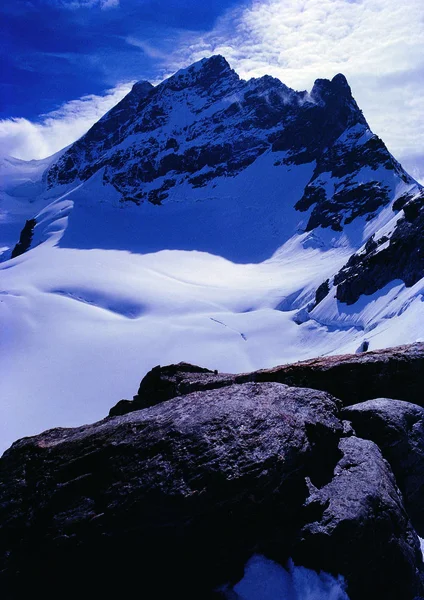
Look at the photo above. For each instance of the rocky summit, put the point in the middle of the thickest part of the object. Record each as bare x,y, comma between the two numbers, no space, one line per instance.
174,497
205,122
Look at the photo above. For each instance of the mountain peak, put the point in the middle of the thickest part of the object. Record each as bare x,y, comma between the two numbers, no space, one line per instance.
204,72
338,87
142,88
340,80
215,61
336,97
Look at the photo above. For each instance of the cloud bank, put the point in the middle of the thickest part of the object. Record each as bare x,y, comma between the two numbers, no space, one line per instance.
24,139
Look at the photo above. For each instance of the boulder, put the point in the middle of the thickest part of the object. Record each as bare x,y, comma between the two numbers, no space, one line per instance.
398,429
357,526
164,383
173,499
391,373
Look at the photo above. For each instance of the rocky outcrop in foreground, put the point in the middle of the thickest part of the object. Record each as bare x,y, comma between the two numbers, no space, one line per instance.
398,429
390,373
174,498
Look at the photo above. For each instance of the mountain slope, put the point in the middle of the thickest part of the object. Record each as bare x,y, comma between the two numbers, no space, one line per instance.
204,123
196,221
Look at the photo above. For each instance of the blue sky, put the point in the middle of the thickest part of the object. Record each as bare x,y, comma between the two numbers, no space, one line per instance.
66,62
58,50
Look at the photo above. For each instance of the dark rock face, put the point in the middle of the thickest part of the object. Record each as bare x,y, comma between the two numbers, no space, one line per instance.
232,123
334,113
357,516
164,383
343,160
391,373
347,204
177,496
25,238
398,429
399,257
104,134
322,292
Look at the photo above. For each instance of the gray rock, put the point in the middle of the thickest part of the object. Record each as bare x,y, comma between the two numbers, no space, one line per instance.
174,498
164,383
398,429
392,373
357,526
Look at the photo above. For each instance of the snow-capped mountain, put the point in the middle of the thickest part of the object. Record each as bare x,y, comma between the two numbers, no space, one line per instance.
229,223
204,123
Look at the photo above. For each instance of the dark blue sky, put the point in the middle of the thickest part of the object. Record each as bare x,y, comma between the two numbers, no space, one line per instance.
52,51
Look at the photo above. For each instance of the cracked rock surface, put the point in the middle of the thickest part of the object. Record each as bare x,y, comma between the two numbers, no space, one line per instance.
398,429
175,497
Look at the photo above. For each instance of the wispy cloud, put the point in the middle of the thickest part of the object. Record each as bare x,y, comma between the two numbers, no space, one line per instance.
76,4
27,140
150,50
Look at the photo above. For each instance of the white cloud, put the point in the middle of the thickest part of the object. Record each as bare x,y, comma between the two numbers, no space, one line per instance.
109,3
27,140
148,49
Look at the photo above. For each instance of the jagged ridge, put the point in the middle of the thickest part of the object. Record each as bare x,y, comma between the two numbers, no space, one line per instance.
205,122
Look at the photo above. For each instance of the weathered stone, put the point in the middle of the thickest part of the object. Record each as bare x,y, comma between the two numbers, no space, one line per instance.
164,383
391,373
398,429
170,500
192,487
357,526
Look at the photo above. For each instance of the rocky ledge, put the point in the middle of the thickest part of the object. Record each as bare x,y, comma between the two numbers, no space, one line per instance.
207,469
391,373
